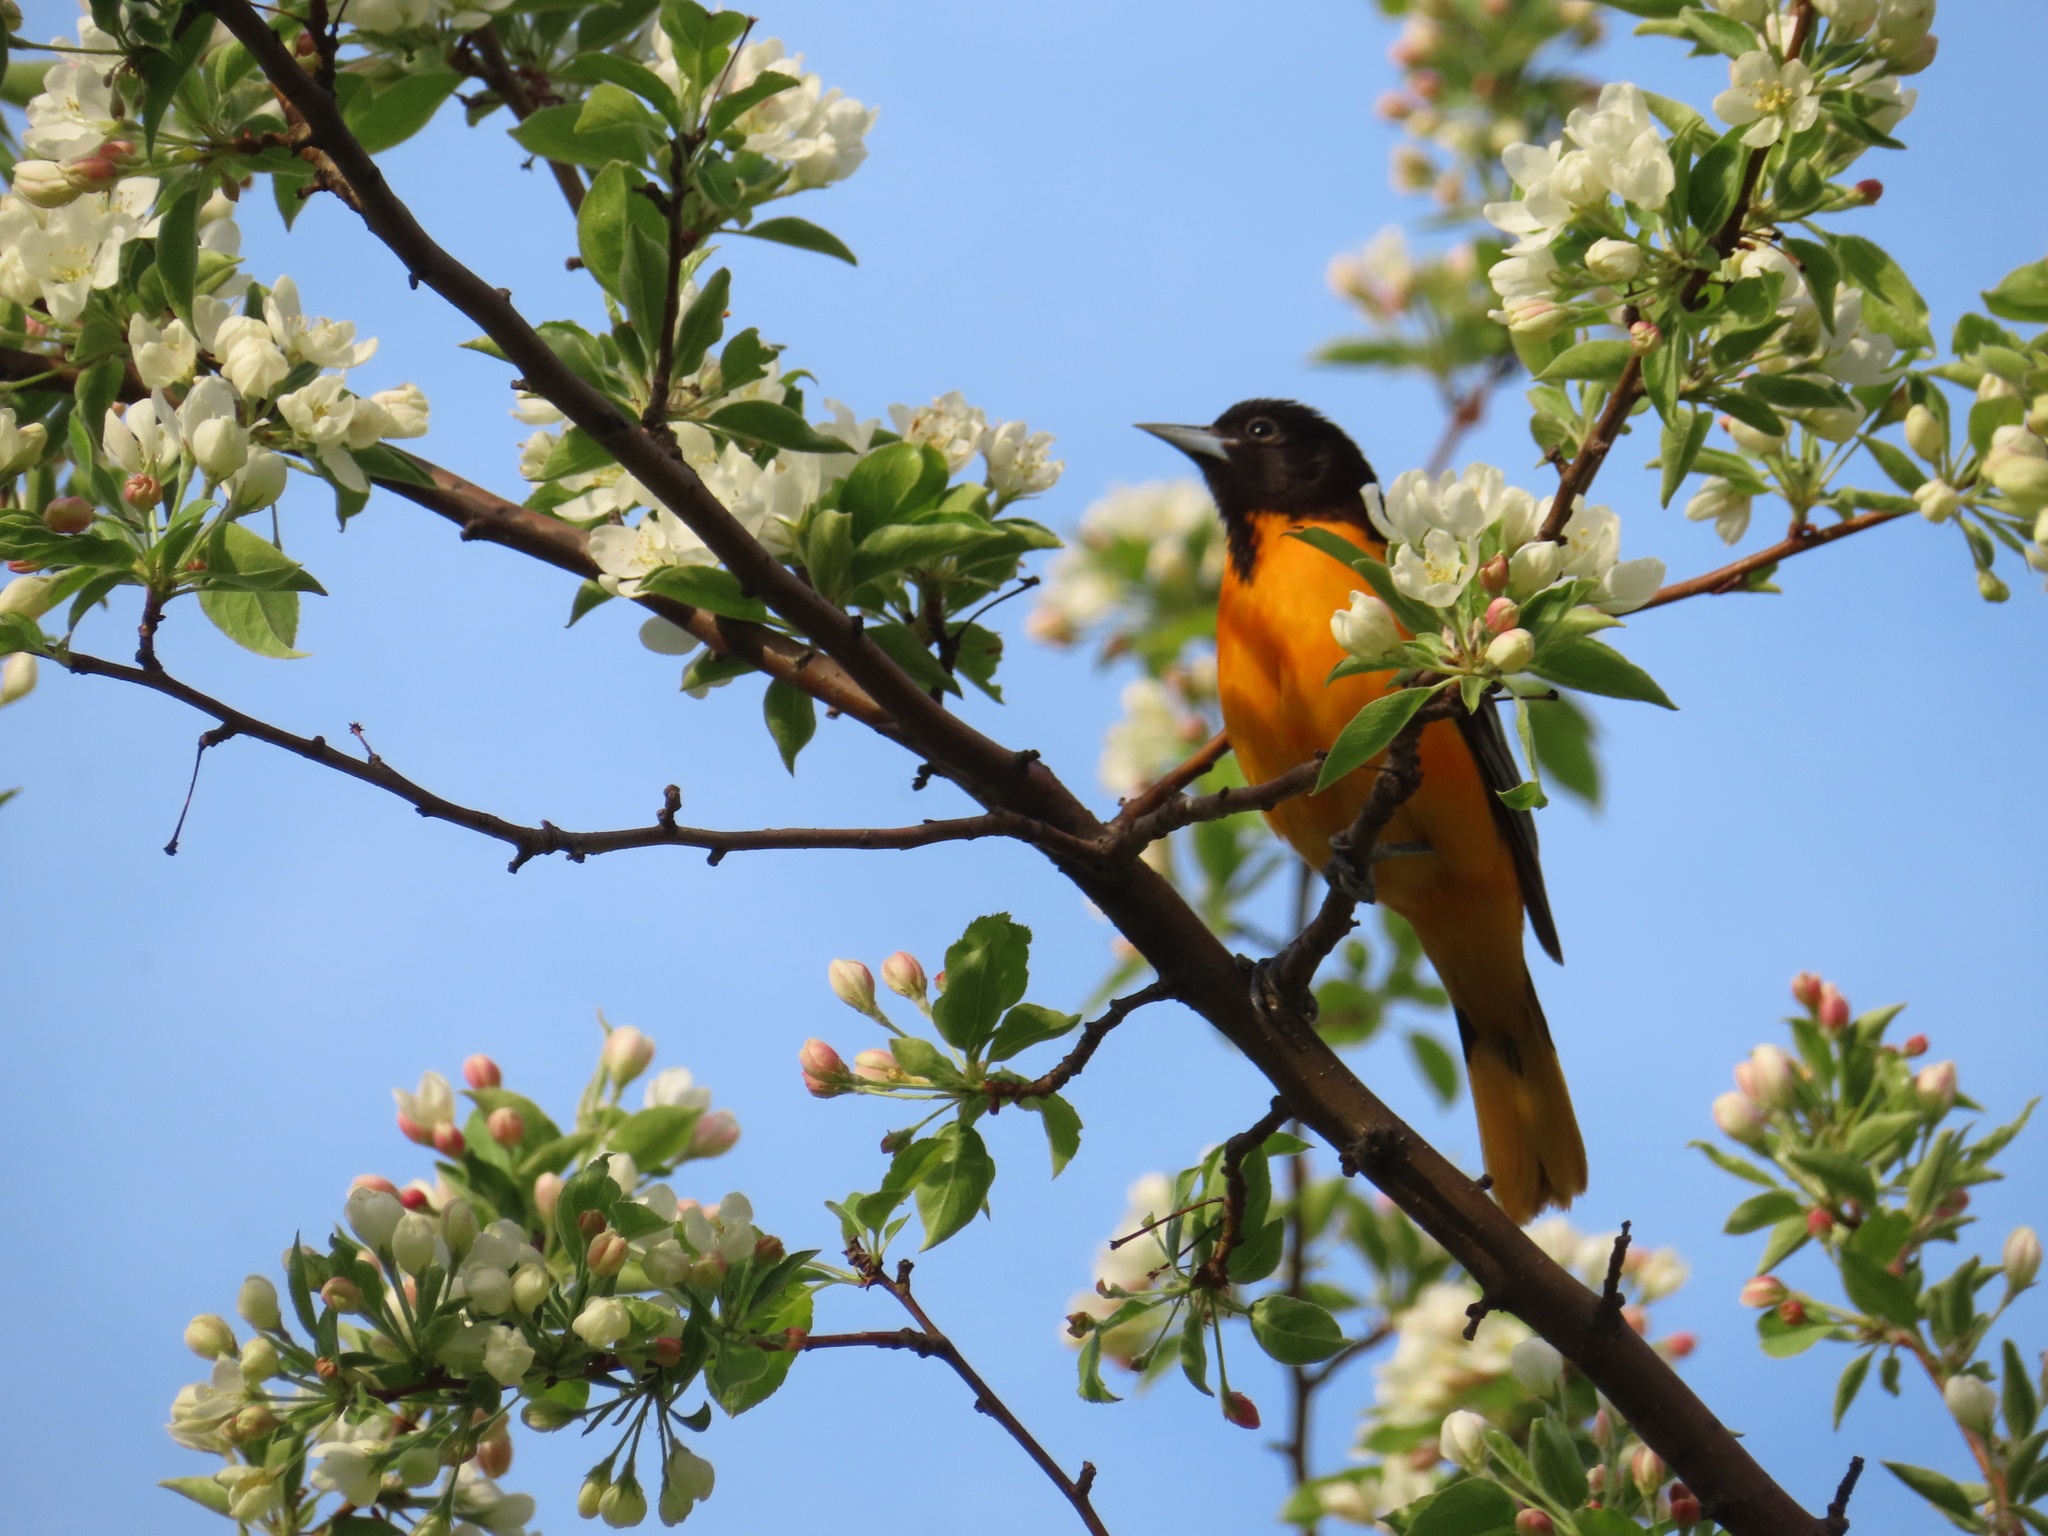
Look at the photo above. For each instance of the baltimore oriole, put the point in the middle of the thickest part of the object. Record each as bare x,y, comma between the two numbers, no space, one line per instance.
1274,466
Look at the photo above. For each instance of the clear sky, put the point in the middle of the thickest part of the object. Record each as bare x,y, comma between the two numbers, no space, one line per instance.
1083,215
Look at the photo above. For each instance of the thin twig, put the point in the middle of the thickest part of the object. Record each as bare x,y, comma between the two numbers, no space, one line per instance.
1070,1065
1128,835
1074,1489
1215,1271
485,59
1610,1292
1734,577
533,842
1173,781
1159,1221
1837,1523
212,738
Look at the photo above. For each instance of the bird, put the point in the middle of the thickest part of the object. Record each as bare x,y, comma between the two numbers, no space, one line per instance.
1274,466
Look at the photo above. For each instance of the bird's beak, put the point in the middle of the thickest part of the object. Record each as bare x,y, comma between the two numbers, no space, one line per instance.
1195,442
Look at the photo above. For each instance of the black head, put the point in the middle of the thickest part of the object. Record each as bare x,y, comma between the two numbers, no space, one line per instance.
1273,457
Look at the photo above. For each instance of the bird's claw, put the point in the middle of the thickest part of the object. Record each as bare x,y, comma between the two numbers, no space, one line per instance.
1351,879
1270,1001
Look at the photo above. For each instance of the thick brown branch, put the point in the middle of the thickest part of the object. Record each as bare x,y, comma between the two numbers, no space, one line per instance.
1734,577
1143,905
535,842
1070,1065
1074,1489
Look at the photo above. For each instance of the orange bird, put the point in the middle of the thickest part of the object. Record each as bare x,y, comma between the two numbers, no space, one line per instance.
1274,466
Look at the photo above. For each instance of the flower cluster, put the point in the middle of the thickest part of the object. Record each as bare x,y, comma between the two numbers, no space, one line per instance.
437,1307
1616,152
817,135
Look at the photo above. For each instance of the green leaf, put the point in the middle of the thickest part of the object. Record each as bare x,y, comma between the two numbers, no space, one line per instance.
2022,1405
19,632
1438,1067
177,251
1673,114
889,481
955,1183
200,1490
384,116
763,421
1024,1026
1762,1210
710,587
1841,1173
1474,1506
1940,1491
1194,1350
802,234
1590,667
1723,34
1259,1254
702,323
163,71
1784,392
386,465
598,68
736,104
792,719
1878,1292
1062,1128
1093,1388
263,621
555,133
1895,462
656,1136
1716,181
1850,1383
1750,411
1823,272
987,969
1891,303
1293,1331
1782,1340
2022,294
1598,360
1371,731
920,1058
602,225
1555,1455
1684,435
1563,734
1787,1237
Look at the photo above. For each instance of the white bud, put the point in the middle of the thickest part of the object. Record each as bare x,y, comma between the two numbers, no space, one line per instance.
1773,1079
1463,1440
28,595
1752,441
2022,1258
1533,567
43,183
257,1303
1972,1403
1614,261
626,1054
220,445
1537,1366
258,484
209,1336
412,1242
1923,433
1937,500
17,677
1513,651
373,1215
1366,629
1738,1117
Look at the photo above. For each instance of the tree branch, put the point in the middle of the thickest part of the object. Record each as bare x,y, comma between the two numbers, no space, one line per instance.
534,842
1215,1270
1576,478
1143,905
1070,1065
485,59
933,1342
1734,577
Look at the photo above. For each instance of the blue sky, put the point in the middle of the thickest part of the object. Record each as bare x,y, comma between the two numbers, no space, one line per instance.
1084,216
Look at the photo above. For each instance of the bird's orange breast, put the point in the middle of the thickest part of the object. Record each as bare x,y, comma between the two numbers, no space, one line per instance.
1274,650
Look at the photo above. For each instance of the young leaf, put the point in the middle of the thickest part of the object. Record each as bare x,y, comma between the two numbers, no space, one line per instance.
764,421
1724,34
385,116
1438,1067
1716,181
1024,1026
987,969
792,719
1062,1128
1475,1506
1555,1455
2022,295
1563,734
802,234
1591,667
1598,360
1875,1290
1371,730
710,587
1940,1491
955,1182
177,251
1194,1351
1850,1383
1293,1331
1093,1388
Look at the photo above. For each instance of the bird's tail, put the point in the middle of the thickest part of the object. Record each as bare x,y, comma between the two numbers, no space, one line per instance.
1527,1130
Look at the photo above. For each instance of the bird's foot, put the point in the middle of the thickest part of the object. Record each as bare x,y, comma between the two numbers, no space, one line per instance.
1353,879
1269,999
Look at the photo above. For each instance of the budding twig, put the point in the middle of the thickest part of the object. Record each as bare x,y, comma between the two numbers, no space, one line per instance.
212,738
1837,1522
1610,1293
1215,1272
1733,577
931,1342
1070,1065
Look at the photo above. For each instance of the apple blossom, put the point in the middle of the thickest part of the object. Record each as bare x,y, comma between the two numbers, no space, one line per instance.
507,1355
1773,99
603,1321
1366,629
373,1215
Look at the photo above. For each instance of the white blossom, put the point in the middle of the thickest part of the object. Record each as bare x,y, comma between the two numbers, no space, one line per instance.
948,424
164,355
1774,99
1020,461
675,1086
1547,184
819,134
330,343
77,110
507,1355
1623,148
1381,276
143,437
1152,735
1719,502
1366,629
200,1412
249,354
352,1468
73,250
603,1321
1435,572
1628,585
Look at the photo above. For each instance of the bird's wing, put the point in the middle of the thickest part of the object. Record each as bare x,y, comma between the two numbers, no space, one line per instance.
1488,744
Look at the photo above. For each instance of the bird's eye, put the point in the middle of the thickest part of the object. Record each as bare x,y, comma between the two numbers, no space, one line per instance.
1260,427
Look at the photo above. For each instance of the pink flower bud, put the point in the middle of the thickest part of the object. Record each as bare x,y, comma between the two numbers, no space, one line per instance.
626,1054
1644,337
373,1181
1493,577
1502,615
481,1072
1240,1410
507,1126
119,151
1426,83
1819,1223
590,1223
412,1197
1596,1482
1393,106
449,1140
1647,1471
853,984
547,1189
2021,1258
1680,1345
1603,1428
494,1454
1534,1522
1773,1078
768,1248
939,982
1936,1085
902,975
91,173
607,1253
714,1134
412,1130
1685,1509
74,514
1637,1318
708,1272
667,1351
1792,1312
1738,1117
825,1073
1916,1045
1834,1008
1763,1291
1806,989
1870,189
877,1065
